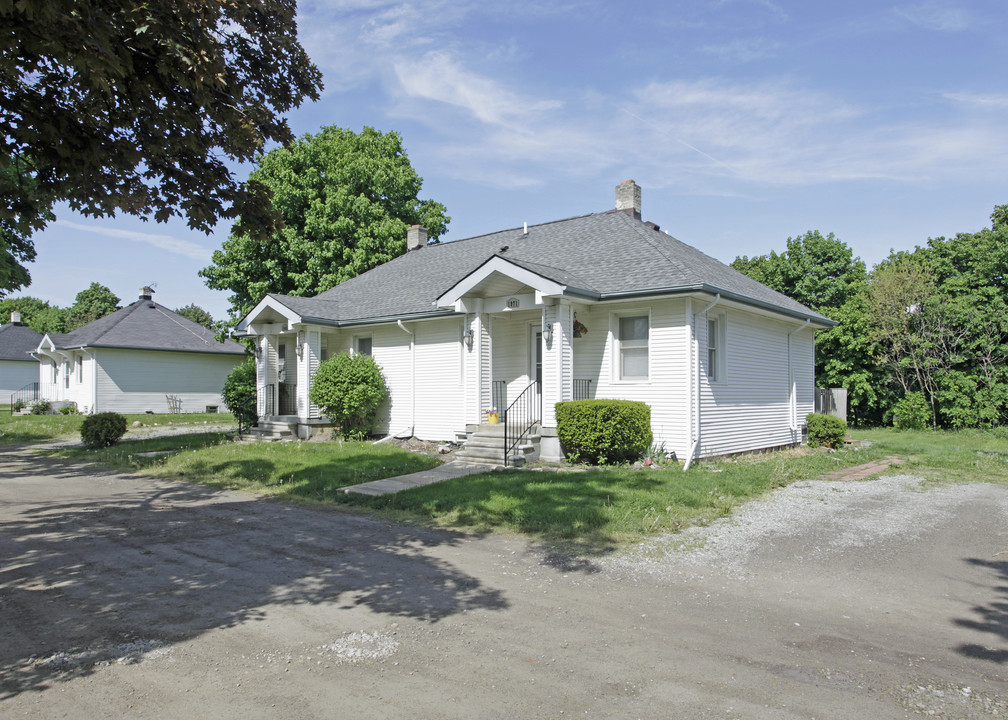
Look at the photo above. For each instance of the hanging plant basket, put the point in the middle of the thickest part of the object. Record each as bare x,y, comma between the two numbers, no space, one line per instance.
579,328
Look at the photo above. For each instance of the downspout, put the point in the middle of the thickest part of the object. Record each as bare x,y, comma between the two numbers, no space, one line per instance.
792,394
412,345
696,397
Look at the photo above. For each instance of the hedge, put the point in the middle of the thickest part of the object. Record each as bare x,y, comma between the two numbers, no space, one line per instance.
604,431
825,430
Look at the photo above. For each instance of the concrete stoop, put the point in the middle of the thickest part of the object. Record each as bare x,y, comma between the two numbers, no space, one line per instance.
274,430
486,446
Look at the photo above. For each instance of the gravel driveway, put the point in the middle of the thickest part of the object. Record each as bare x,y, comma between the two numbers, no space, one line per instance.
125,596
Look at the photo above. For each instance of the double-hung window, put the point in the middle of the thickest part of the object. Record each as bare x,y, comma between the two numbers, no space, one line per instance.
632,334
716,348
362,345
80,368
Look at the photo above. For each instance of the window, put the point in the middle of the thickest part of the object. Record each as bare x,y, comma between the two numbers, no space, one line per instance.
80,368
66,373
52,378
324,350
633,347
362,345
716,348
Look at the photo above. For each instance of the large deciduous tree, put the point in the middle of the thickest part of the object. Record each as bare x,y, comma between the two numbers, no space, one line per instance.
137,107
95,301
346,201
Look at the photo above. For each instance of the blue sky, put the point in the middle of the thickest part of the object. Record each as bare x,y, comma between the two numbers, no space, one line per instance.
744,121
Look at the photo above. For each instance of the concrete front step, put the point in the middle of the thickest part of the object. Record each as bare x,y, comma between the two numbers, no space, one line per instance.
486,445
273,431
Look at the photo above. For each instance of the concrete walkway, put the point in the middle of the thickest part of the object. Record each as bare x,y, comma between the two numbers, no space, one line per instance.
441,473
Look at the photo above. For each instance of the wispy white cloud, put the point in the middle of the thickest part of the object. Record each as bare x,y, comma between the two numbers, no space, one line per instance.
991,101
162,242
936,16
743,50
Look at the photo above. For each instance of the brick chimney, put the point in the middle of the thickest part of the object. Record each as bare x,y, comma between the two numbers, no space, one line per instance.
15,317
416,237
628,198
146,293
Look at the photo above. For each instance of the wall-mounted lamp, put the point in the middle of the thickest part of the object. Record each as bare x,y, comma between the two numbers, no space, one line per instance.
300,343
548,332
257,348
468,337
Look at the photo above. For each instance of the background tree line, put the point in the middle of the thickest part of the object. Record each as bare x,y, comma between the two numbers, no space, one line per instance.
933,320
95,301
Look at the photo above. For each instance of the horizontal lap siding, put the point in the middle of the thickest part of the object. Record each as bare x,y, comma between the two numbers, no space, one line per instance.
14,375
511,351
439,388
750,408
135,381
390,348
667,389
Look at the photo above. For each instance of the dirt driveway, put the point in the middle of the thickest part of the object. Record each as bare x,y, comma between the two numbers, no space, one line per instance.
126,597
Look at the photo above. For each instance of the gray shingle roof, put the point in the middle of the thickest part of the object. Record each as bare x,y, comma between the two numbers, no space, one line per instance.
146,325
609,255
16,341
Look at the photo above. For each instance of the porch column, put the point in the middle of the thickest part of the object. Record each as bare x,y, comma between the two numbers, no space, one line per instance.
558,360
271,394
477,365
307,345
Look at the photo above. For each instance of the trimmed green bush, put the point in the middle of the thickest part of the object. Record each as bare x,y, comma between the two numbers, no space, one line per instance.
825,430
911,412
349,389
239,393
604,431
103,429
19,405
69,410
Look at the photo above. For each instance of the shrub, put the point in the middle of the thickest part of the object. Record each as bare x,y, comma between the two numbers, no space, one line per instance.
349,389
19,405
40,407
911,412
239,393
103,429
604,431
69,410
825,430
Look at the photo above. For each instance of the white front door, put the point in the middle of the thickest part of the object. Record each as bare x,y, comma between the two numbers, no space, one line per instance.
536,364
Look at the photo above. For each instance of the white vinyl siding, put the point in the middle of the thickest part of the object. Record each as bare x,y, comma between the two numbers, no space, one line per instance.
749,408
667,389
15,374
135,381
511,351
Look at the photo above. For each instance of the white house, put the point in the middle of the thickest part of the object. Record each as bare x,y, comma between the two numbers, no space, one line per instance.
18,369
131,360
602,306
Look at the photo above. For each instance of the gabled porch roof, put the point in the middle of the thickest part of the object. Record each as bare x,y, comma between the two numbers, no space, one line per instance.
504,276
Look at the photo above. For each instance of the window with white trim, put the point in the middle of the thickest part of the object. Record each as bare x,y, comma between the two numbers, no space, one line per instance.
632,346
716,348
66,373
80,368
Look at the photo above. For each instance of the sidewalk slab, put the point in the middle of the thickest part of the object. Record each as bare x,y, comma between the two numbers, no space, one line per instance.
441,473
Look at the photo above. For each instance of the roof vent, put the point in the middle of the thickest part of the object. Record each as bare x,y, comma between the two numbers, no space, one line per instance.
15,317
628,198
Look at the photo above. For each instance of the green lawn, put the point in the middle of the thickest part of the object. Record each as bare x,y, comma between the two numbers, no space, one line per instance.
294,470
590,510
22,429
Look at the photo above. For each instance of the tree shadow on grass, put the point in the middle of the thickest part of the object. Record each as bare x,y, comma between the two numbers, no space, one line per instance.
89,561
991,618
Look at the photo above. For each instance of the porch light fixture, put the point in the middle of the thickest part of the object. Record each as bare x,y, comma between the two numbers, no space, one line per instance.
300,343
548,332
468,337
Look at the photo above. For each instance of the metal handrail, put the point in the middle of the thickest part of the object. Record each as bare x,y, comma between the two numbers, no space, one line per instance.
520,417
28,394
582,389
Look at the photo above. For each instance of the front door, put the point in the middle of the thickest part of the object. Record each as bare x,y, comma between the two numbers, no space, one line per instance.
286,380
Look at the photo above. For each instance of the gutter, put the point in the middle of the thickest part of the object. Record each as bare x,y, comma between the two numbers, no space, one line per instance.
412,344
696,397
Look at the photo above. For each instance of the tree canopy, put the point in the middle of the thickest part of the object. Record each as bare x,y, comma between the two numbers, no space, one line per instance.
95,301
346,201
932,321
197,315
124,106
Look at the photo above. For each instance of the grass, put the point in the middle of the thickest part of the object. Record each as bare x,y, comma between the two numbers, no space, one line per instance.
23,429
314,472
590,511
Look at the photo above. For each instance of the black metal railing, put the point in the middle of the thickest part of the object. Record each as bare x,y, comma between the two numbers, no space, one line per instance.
25,396
520,417
498,395
582,389
247,413
288,398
